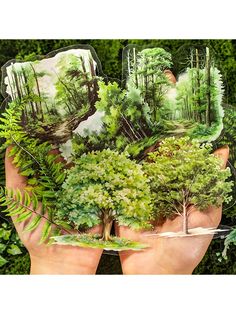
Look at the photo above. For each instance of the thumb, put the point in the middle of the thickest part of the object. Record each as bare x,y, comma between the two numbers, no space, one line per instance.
223,154
14,179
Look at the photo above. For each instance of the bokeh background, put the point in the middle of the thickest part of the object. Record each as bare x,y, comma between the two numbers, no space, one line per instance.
14,258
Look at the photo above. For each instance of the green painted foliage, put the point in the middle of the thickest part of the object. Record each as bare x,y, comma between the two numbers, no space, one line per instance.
109,52
102,187
183,173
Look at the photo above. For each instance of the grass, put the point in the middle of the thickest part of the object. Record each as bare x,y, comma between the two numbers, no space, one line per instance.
95,241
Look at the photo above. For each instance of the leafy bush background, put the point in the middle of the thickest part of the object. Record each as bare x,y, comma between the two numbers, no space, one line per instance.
110,55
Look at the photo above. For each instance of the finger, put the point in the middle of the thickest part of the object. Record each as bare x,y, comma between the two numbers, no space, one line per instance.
14,179
223,154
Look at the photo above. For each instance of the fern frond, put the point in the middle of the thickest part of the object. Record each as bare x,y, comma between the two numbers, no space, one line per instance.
45,232
33,224
45,174
24,205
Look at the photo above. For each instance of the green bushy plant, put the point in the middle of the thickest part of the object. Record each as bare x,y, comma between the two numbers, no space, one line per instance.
183,173
104,187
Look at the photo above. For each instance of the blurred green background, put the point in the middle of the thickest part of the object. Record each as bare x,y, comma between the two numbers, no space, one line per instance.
14,258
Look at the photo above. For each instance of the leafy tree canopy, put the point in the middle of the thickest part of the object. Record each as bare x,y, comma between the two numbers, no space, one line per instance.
102,187
183,173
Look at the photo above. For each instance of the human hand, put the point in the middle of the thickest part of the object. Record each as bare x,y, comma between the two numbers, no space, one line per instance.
53,259
179,255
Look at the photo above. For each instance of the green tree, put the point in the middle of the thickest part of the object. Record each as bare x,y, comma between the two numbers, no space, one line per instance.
147,75
184,175
103,187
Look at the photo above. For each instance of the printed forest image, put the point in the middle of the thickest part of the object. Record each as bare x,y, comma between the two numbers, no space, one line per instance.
153,105
106,152
56,93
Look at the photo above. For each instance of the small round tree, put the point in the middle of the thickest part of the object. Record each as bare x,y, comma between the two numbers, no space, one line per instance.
102,187
183,173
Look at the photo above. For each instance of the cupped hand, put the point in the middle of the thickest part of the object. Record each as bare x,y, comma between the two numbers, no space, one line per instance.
50,259
177,255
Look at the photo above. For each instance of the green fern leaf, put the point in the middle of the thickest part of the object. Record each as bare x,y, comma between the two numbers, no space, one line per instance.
27,172
54,233
19,197
24,216
48,194
6,203
60,179
12,206
64,225
45,232
27,199
33,224
20,210
35,201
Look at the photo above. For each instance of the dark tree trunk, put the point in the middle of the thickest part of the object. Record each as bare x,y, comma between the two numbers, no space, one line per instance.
107,225
38,106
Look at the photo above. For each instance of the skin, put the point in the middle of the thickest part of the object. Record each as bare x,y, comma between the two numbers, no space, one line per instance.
53,259
172,255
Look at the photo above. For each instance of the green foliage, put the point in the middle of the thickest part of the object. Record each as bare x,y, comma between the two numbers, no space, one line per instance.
184,173
76,88
102,187
230,239
147,75
10,244
17,265
109,52
212,263
36,162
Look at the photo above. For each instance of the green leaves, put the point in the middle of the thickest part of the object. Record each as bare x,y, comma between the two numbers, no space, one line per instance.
3,261
230,239
10,244
105,182
25,208
14,250
33,224
45,232
182,173
44,173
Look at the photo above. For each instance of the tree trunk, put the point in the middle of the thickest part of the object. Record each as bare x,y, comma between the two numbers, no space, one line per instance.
198,87
39,108
208,79
135,68
185,219
107,224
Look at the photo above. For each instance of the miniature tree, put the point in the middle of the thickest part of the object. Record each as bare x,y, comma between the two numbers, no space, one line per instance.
184,175
103,187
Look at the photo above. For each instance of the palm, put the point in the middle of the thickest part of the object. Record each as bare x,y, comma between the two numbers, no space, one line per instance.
179,255
82,260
